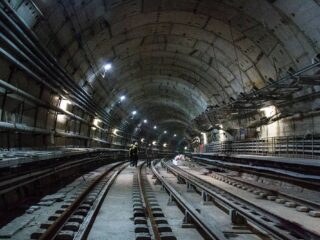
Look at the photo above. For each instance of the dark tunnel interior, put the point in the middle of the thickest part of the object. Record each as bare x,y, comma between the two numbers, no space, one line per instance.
232,85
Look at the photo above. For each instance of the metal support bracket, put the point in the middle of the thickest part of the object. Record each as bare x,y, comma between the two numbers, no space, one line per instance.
236,218
180,180
206,198
190,187
171,201
157,182
187,221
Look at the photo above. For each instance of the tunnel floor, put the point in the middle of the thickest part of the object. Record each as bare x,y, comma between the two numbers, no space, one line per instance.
171,199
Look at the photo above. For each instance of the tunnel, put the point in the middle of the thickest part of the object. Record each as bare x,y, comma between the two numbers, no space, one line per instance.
158,119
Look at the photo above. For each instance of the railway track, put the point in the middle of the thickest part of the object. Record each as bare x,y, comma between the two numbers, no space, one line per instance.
191,215
292,176
150,221
75,221
31,186
242,210
303,205
23,179
200,208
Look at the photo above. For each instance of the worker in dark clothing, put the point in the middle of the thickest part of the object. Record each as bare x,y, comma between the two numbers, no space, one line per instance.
131,155
134,154
149,155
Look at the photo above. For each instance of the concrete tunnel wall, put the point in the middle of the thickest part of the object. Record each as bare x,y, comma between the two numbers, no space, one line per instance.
162,52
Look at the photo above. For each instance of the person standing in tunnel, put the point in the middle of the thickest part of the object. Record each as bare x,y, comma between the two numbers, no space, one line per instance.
131,155
149,155
134,154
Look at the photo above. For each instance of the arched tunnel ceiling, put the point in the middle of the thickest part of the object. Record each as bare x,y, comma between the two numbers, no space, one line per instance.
174,58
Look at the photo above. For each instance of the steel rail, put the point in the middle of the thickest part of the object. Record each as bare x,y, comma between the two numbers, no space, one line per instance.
21,180
155,230
276,226
210,231
86,226
301,201
262,171
54,228
8,184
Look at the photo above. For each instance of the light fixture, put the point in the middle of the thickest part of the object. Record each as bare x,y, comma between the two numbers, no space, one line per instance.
185,148
142,140
165,132
64,104
61,118
174,135
145,120
155,127
154,143
96,121
134,112
107,67
269,111
122,98
205,139
220,126
115,131
164,145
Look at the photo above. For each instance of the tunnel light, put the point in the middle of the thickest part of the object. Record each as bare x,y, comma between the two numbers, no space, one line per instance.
115,131
204,136
107,67
164,145
142,140
155,127
122,98
174,135
64,104
61,118
165,132
134,112
96,121
154,143
269,111
145,121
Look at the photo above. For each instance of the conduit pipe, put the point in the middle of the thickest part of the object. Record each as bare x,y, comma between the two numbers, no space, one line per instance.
41,103
22,30
52,65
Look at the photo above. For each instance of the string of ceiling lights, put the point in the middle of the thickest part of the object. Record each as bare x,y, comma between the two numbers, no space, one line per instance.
107,68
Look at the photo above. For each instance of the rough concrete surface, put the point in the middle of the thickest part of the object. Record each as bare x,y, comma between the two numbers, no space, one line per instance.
114,220
173,214
271,206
